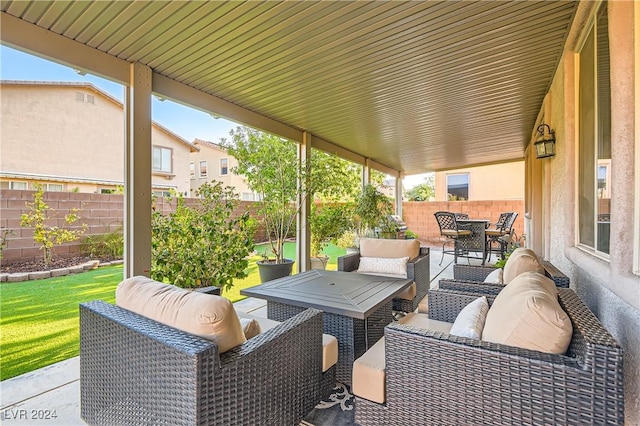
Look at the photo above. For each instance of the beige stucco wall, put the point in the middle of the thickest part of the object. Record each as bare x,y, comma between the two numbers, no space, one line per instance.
49,136
606,283
213,154
495,182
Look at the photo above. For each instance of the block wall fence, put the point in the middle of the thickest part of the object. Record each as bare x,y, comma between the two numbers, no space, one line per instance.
104,213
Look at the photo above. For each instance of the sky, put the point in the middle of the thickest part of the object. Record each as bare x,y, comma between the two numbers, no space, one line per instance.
186,122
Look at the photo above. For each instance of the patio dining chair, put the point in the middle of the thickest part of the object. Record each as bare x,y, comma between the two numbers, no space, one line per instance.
502,235
449,229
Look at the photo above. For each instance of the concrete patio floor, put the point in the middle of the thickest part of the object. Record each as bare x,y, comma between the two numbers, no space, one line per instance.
38,396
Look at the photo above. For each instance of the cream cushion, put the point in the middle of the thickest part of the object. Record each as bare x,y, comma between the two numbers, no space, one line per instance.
409,293
385,266
375,247
423,305
521,260
470,321
250,327
527,314
368,379
329,342
208,316
495,277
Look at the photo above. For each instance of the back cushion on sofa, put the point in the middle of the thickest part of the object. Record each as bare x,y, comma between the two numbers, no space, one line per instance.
527,314
375,247
521,260
209,316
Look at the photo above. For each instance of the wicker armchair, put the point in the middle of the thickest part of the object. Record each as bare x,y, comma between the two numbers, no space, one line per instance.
134,370
475,274
418,270
436,378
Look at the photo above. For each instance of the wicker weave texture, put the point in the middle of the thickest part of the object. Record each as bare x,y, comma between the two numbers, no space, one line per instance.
471,382
352,334
134,370
479,273
418,270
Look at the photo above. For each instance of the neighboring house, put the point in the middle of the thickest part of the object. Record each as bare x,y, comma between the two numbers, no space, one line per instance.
70,137
495,182
212,162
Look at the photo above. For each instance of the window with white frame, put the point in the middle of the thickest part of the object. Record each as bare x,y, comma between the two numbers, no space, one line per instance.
458,187
18,185
203,169
162,159
53,187
192,170
594,152
224,166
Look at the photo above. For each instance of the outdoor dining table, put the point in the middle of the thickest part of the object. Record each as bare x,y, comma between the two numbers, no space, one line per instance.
476,242
356,307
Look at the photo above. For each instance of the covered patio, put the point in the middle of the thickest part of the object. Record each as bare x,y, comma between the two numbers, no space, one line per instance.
399,87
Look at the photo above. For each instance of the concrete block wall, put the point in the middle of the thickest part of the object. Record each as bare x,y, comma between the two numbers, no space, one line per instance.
101,213
419,216
104,212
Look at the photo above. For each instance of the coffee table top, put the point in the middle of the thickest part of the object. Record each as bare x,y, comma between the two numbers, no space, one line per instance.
343,293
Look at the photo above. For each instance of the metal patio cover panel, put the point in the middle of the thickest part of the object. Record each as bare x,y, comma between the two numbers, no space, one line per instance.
417,86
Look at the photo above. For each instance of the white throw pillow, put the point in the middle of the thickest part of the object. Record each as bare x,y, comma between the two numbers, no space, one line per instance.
470,321
494,277
382,265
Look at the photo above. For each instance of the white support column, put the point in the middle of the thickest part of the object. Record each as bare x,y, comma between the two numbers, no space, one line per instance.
399,194
303,231
137,180
366,172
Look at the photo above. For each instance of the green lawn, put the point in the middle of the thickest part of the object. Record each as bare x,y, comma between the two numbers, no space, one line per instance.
39,319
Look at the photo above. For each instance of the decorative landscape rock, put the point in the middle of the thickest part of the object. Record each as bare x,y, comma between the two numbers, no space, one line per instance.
92,264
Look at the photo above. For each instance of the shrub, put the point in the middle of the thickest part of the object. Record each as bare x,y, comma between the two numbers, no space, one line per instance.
109,245
203,245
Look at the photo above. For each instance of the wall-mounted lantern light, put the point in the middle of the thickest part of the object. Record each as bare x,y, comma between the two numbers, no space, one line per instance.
546,142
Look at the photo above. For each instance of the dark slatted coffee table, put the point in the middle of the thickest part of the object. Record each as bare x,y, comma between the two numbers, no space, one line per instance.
356,307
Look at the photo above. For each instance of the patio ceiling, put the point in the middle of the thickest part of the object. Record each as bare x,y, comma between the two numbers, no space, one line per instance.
416,86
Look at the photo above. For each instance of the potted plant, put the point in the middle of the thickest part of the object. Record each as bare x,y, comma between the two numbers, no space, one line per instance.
271,168
327,222
202,245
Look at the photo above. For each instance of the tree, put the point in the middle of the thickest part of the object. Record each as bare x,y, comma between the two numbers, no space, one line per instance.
424,191
39,218
271,168
203,245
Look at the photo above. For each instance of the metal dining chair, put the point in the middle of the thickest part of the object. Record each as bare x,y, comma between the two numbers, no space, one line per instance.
501,235
449,229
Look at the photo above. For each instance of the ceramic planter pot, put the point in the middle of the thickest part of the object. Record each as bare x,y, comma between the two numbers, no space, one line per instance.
270,270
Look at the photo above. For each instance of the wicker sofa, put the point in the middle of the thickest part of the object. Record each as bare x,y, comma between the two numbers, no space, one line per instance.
436,378
417,268
134,370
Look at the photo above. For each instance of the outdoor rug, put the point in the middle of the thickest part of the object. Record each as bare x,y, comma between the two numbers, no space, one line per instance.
337,410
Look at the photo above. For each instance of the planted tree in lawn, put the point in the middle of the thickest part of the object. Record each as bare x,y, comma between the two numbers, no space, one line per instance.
204,245
40,217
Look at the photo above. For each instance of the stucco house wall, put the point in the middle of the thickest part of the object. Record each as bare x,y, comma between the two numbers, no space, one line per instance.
610,285
493,182
73,133
212,153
